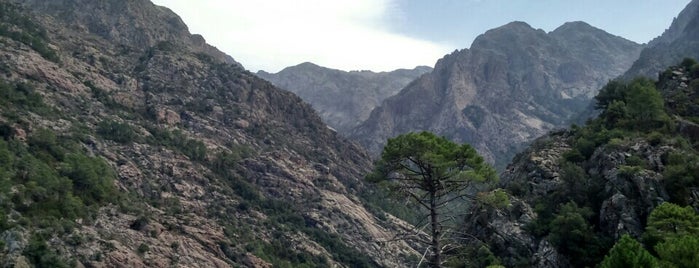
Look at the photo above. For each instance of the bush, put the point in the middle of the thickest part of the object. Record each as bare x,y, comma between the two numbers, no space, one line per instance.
40,255
679,252
118,132
627,252
668,221
93,179
143,248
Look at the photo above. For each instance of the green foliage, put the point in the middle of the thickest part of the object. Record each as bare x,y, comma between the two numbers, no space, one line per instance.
627,252
23,29
93,179
646,105
670,221
118,132
103,96
486,258
50,181
497,198
23,97
631,112
432,172
614,91
194,149
41,255
572,234
578,187
680,174
441,160
688,63
679,251
143,248
637,105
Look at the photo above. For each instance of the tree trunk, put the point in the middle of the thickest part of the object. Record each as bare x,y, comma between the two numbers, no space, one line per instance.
436,251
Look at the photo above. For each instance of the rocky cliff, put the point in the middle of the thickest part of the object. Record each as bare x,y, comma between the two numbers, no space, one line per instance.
514,84
679,41
127,142
599,181
342,99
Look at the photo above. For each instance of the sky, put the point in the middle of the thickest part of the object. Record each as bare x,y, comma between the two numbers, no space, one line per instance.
384,35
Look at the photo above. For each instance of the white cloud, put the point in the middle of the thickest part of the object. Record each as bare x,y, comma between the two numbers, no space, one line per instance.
273,34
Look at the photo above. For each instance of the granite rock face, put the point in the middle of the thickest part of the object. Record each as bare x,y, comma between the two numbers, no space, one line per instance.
343,99
513,85
679,41
253,168
621,181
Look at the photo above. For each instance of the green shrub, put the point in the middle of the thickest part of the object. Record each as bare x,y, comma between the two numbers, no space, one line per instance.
627,252
93,179
118,132
25,31
41,255
143,248
679,251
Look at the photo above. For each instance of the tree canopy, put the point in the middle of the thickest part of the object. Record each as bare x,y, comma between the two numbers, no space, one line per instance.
432,172
627,252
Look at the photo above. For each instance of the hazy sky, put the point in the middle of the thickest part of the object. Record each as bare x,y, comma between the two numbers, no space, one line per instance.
382,35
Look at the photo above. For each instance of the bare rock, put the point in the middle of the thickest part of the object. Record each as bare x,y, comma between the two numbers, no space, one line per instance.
255,262
168,117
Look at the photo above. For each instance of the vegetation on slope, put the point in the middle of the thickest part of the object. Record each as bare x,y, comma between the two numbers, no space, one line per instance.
632,113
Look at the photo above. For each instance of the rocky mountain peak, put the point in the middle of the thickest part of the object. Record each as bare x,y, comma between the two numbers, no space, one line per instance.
679,41
575,26
680,25
515,33
513,77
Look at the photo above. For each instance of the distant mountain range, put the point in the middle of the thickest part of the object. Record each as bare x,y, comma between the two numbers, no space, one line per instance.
513,85
342,99
126,141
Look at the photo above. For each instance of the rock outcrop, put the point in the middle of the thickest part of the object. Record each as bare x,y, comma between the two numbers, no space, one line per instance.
343,99
679,41
622,180
214,166
513,85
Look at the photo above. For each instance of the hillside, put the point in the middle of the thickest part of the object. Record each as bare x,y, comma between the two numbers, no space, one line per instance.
680,40
513,85
127,142
343,99
575,192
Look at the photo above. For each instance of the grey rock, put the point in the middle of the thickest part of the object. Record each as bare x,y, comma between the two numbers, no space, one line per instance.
513,85
679,41
343,99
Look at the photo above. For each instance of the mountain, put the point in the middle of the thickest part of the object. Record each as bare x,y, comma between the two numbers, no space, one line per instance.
343,99
514,84
127,142
679,41
574,192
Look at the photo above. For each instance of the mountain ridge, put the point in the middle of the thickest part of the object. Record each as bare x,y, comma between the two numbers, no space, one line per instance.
343,99
210,166
679,41
513,77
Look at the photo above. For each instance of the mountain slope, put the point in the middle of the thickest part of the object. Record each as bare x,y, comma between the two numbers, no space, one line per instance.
343,99
679,41
165,152
575,192
514,84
